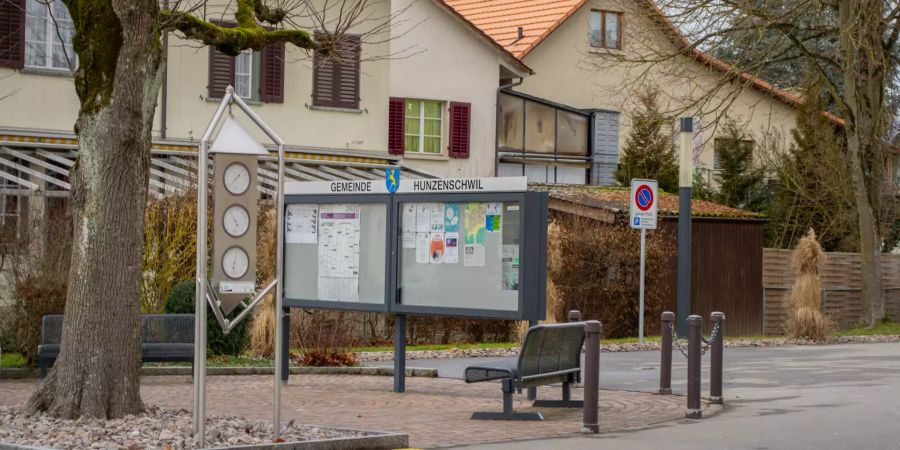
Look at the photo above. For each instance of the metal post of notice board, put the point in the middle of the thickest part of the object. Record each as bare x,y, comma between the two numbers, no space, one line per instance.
644,198
205,294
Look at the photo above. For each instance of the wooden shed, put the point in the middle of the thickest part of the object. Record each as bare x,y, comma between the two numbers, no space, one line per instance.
726,249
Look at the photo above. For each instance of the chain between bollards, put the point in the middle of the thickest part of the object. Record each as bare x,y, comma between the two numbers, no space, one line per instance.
590,421
665,358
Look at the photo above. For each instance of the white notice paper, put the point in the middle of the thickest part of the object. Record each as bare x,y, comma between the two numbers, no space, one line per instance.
437,217
300,223
422,247
423,217
473,255
408,225
339,252
493,208
451,248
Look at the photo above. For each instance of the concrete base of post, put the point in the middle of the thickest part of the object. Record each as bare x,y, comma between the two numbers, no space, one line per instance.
693,413
665,391
716,401
590,428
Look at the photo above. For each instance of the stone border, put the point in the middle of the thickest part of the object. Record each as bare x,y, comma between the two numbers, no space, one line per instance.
19,373
377,441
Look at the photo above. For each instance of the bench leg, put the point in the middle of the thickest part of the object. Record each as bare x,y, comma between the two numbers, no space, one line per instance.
566,401
507,413
42,363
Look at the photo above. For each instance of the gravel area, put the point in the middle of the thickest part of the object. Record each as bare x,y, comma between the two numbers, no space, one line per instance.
156,429
630,347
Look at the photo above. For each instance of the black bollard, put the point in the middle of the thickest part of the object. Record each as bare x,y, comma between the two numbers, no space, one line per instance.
590,422
694,324
717,349
574,315
665,353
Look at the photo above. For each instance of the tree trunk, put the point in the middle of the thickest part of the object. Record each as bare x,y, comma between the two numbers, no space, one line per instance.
118,81
864,70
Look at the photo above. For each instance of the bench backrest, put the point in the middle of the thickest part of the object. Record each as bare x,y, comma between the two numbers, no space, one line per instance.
155,329
551,348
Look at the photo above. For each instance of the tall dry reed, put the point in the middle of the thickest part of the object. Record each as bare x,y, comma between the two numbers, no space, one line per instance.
806,320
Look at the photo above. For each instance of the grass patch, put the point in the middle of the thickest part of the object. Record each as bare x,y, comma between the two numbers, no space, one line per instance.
222,361
11,360
884,327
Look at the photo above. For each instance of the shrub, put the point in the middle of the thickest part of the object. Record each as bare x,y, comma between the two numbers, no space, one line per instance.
181,301
34,299
170,246
595,267
805,300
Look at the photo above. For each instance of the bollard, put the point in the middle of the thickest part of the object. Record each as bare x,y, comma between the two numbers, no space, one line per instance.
665,357
574,315
590,422
694,324
716,348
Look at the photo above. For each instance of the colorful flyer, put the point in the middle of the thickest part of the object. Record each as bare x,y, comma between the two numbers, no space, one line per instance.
451,248
492,223
473,255
509,268
451,217
422,247
475,224
436,248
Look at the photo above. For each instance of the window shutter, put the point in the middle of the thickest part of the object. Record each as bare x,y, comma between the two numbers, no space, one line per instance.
12,33
271,80
396,126
460,127
221,73
336,80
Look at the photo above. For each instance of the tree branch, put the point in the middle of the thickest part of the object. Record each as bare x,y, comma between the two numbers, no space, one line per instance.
233,40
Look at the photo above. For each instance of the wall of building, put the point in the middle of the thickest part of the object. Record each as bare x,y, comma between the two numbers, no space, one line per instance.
437,57
49,102
569,71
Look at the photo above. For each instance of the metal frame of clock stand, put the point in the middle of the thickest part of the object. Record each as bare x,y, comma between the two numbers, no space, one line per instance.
204,290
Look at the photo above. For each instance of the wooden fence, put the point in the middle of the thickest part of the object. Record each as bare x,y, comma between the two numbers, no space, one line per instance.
841,287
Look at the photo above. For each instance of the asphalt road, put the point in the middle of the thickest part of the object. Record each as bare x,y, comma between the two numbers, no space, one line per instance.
811,397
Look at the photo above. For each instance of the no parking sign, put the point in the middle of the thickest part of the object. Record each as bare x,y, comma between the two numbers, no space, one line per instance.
643,204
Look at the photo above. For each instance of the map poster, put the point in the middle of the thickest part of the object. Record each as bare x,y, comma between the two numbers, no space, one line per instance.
475,224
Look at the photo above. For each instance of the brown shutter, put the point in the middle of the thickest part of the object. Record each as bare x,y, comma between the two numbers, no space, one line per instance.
221,73
396,126
460,128
12,33
336,80
271,81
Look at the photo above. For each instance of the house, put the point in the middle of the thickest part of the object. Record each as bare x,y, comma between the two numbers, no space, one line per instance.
571,45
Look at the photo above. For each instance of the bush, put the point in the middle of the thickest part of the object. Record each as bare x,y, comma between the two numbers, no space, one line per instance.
594,267
181,301
34,299
806,320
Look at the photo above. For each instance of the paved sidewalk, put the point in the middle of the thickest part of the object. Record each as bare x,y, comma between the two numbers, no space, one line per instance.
435,412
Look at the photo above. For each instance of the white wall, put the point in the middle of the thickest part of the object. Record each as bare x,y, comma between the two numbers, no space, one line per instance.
569,71
49,102
437,57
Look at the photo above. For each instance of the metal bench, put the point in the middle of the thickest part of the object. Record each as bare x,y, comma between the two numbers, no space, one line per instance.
164,338
550,354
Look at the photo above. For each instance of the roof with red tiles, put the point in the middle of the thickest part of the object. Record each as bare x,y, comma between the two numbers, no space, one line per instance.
501,19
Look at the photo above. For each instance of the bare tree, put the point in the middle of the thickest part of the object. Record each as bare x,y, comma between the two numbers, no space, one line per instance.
120,61
856,69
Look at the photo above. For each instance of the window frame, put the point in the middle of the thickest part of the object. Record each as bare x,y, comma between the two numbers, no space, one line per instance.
51,35
254,77
619,20
420,150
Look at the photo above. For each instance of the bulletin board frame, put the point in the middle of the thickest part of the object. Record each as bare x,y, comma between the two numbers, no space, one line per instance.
322,199
532,238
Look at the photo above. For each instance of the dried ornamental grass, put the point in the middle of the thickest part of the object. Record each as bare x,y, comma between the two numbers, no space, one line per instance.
805,320
262,331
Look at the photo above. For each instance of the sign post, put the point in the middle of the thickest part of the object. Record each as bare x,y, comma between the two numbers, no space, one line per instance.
643,217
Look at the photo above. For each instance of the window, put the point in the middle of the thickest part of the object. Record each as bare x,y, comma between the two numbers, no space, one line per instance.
336,78
48,35
606,29
254,75
417,125
244,75
423,126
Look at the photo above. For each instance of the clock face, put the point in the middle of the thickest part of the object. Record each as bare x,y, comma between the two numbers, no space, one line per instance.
236,220
235,262
237,178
